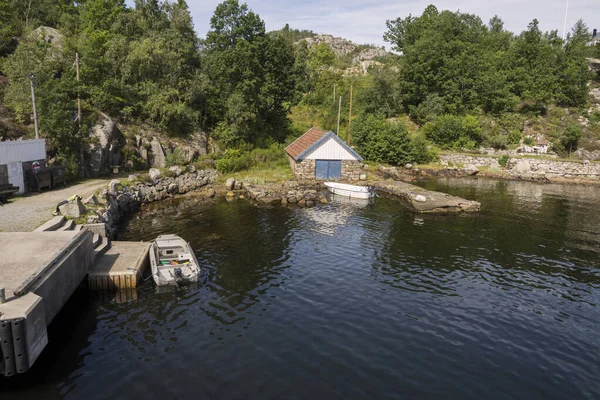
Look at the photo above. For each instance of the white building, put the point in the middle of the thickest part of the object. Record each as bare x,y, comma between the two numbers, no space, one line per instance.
16,157
322,155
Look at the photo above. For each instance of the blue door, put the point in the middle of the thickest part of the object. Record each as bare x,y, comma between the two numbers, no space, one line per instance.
328,169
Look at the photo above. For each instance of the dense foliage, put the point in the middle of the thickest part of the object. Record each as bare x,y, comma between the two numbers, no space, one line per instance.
462,82
387,141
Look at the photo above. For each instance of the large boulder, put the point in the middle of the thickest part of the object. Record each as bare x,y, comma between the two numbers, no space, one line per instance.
154,174
107,141
113,187
521,168
471,169
230,184
73,208
176,170
158,154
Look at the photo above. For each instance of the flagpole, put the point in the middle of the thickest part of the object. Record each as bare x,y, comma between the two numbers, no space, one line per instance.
565,25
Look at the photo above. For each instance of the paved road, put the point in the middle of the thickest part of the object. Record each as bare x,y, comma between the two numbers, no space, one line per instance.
24,214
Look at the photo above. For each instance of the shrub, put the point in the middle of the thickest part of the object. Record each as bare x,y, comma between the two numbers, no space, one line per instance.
389,142
503,160
455,132
176,157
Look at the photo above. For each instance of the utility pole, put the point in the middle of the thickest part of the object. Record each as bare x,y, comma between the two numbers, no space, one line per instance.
350,116
565,25
78,99
339,113
334,93
35,116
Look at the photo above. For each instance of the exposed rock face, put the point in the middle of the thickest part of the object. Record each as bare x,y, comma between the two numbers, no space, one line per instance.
342,47
155,151
369,54
587,155
49,35
158,155
105,151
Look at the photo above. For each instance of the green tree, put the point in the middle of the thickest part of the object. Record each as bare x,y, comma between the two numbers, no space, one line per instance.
575,75
570,137
389,142
455,132
535,58
251,76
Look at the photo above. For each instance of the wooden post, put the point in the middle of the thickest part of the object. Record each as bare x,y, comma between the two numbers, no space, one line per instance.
78,99
339,113
350,116
334,93
35,116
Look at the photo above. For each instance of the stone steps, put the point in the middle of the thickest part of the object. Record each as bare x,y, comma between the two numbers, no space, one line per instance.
101,243
68,225
102,247
52,225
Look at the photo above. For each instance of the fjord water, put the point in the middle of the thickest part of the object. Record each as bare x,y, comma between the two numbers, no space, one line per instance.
344,301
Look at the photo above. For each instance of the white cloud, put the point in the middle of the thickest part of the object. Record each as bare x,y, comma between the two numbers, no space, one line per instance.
363,21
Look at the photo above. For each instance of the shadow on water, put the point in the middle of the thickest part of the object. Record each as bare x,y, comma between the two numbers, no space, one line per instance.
347,301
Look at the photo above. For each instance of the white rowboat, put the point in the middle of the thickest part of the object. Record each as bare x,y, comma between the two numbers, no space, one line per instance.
173,262
353,191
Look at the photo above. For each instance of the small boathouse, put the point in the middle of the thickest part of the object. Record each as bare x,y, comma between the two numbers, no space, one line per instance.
322,155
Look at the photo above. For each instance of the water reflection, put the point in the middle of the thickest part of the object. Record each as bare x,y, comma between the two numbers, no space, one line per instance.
354,302
242,249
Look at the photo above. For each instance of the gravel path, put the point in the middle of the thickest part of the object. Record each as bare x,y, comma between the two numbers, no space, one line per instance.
24,214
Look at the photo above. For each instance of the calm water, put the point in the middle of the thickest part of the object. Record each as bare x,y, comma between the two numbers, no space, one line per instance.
341,302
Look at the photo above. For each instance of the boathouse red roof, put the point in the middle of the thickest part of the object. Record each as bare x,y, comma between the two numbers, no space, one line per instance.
301,144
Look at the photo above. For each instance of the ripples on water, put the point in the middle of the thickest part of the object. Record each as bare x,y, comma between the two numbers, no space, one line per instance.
343,301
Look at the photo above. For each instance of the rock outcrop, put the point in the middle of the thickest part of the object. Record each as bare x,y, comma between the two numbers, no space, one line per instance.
587,155
105,150
342,47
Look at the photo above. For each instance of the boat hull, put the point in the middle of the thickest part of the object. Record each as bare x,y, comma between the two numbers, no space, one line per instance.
352,191
180,266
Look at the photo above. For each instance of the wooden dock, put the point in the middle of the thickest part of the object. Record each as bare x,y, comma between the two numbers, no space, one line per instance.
121,267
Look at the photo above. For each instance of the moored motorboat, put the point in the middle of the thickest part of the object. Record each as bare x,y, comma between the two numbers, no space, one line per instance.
173,262
344,189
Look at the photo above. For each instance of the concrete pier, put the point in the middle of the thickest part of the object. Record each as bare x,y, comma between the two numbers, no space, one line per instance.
422,201
121,267
39,271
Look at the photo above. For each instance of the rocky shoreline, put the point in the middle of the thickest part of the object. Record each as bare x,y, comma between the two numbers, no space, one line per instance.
289,192
117,200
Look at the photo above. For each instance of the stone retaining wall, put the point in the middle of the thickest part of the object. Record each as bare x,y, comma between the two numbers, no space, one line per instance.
550,168
117,200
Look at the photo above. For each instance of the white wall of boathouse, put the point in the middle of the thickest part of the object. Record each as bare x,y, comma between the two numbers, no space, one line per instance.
330,150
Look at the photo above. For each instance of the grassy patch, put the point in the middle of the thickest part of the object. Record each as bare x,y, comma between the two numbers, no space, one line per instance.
261,174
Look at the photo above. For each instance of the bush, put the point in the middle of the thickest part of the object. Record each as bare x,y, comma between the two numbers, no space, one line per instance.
455,132
503,160
235,160
176,157
389,142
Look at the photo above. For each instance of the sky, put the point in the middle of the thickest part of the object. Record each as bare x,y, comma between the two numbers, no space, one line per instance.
363,21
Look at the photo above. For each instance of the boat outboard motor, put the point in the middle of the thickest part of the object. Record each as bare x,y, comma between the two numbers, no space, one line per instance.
178,275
